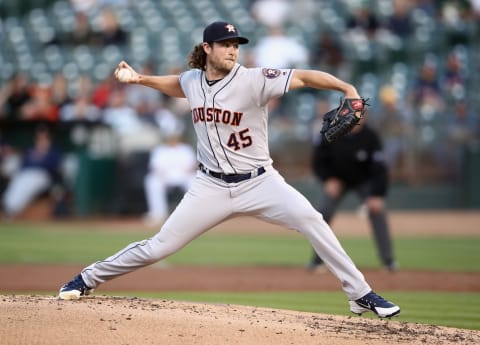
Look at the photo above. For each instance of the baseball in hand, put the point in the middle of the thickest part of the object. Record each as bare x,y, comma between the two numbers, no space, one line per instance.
124,75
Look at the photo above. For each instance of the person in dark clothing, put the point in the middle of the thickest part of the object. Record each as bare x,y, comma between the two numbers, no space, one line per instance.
14,94
355,163
39,170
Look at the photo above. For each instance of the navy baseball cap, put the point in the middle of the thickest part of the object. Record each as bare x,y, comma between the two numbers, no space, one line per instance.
220,31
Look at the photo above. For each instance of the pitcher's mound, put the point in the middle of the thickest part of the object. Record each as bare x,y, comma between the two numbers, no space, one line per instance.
122,321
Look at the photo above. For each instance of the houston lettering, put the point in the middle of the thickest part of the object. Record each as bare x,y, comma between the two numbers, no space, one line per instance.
217,115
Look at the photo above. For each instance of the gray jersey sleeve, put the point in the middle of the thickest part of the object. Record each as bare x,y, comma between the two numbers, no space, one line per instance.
186,79
270,83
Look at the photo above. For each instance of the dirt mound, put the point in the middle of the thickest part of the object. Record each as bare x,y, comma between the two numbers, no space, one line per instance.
122,321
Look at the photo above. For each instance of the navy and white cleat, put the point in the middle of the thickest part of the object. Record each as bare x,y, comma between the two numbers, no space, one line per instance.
373,302
74,289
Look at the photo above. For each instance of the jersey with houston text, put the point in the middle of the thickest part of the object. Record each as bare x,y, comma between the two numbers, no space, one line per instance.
230,117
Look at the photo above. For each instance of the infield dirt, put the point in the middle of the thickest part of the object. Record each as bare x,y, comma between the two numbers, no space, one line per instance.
122,321
40,319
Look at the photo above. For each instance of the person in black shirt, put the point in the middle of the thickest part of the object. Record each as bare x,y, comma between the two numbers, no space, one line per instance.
356,163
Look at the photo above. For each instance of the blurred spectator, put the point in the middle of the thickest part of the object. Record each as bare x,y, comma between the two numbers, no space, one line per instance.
174,112
118,114
82,33
144,100
429,7
87,6
458,20
41,106
133,134
114,3
400,22
39,171
172,167
8,163
59,93
102,91
13,96
178,106
394,126
398,30
427,95
110,30
476,9
463,126
327,54
276,50
166,120
82,85
271,13
363,20
454,81
83,6
80,109
366,40
462,129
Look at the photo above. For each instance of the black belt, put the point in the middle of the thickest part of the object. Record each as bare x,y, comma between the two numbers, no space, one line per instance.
232,178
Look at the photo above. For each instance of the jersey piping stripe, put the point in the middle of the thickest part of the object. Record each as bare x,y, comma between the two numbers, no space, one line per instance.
216,128
199,152
140,244
202,75
288,81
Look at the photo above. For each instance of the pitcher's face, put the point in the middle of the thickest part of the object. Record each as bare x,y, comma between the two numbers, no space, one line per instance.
222,56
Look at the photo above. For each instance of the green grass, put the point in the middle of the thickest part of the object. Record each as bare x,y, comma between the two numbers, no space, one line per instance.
20,243
70,244
40,244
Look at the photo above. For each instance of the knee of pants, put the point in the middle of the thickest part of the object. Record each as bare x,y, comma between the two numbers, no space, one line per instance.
161,248
305,217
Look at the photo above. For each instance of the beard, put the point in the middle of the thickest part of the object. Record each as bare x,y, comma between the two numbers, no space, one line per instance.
221,66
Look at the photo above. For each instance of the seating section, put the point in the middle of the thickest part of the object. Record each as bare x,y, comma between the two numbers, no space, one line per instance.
165,31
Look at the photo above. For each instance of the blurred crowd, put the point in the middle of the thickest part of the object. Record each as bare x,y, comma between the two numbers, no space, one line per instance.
417,61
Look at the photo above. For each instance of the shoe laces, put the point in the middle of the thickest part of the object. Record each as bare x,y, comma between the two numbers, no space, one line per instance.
77,283
373,299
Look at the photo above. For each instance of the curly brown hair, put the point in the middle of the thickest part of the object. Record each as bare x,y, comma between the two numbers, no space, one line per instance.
198,57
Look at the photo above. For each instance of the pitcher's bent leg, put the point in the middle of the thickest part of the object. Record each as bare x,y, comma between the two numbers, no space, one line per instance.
327,207
326,244
288,207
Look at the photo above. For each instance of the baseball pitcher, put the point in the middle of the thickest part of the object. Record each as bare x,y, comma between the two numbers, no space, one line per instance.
235,175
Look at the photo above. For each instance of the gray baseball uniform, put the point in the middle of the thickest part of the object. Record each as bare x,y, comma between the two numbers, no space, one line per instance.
235,178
